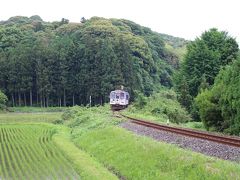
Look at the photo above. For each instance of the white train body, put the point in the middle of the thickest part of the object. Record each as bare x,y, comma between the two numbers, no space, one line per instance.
119,99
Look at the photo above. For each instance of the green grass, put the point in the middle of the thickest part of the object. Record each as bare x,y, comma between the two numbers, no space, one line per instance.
36,109
129,156
82,119
7,118
86,166
135,157
28,152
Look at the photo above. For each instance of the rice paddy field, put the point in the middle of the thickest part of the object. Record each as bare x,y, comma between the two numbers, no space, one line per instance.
28,152
34,146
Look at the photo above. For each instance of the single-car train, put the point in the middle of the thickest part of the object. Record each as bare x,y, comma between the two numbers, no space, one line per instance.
119,99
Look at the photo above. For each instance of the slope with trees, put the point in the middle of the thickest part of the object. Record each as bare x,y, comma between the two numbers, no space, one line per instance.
63,63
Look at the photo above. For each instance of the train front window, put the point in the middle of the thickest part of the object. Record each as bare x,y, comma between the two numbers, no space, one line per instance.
112,95
117,96
121,95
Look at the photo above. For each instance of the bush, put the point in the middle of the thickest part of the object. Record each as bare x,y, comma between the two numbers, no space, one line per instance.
141,101
58,121
3,100
163,105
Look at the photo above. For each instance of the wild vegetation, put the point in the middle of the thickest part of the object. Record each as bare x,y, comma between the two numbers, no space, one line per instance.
162,106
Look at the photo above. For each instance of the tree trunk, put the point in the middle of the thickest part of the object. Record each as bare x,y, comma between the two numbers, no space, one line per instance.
24,99
44,101
13,101
37,98
30,94
64,97
47,101
60,102
73,97
19,98
41,102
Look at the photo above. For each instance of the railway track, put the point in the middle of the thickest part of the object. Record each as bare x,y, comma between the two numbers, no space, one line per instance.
228,140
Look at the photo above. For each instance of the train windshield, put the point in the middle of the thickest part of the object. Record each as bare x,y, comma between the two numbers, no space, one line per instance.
112,95
122,95
117,96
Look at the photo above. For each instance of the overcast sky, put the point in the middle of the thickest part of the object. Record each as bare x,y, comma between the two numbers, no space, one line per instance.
181,18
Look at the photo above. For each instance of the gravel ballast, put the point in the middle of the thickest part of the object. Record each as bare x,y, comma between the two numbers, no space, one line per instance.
195,144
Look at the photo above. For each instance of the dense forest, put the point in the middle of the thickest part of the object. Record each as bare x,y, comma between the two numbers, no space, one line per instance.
62,63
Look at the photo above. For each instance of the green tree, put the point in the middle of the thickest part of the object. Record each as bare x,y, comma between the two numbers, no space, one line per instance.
219,107
205,56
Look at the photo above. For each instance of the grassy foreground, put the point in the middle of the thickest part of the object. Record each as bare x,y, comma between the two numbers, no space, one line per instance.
85,165
89,144
136,157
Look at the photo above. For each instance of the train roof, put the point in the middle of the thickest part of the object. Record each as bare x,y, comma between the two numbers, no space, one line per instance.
119,91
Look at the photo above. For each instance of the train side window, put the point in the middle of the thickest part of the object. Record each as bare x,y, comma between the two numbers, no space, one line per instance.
127,97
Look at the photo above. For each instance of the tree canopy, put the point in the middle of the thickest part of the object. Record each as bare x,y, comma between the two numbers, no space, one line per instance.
204,58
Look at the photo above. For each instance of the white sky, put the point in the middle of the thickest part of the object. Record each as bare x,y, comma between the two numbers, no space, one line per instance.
181,18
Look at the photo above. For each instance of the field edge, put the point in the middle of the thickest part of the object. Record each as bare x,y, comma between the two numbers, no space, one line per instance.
84,164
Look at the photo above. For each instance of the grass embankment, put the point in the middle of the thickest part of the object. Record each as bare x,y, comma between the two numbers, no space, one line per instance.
142,158
136,157
85,165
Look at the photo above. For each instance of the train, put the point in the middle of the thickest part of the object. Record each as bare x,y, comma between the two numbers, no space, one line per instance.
119,99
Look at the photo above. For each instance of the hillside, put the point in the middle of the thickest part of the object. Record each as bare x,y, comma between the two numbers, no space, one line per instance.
63,63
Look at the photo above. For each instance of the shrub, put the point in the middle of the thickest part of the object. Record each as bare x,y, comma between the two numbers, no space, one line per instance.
3,100
58,121
163,105
141,101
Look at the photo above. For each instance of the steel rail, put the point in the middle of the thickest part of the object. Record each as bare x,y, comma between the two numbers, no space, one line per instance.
233,141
